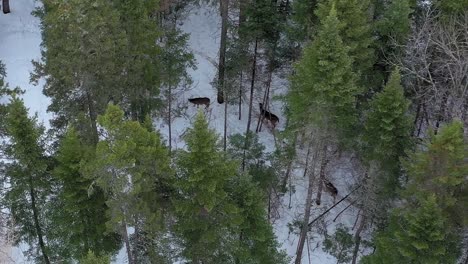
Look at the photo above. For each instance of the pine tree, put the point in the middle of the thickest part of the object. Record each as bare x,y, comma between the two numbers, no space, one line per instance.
257,243
83,44
355,31
132,167
93,259
324,76
387,133
203,209
78,217
416,235
141,57
395,23
220,214
339,245
440,169
28,175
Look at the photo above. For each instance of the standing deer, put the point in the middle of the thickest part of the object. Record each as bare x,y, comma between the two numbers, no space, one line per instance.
200,101
331,189
269,116
6,6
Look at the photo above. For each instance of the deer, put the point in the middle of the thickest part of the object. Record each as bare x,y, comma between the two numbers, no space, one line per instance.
269,116
6,6
331,189
200,101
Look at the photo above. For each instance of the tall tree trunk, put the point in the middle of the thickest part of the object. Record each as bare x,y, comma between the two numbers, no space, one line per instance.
127,243
169,122
37,226
252,86
92,118
225,125
305,227
323,167
357,239
224,6
265,101
240,96
441,113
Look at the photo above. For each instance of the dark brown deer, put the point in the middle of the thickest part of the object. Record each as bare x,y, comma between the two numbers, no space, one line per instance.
268,116
6,6
331,189
200,101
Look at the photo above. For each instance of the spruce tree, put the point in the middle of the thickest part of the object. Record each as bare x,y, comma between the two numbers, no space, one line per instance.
257,243
323,89
141,57
29,180
416,235
387,133
132,167
355,31
78,216
220,215
441,169
83,44
91,258
204,213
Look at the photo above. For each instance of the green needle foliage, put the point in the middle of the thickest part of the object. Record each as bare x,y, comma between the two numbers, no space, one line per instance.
323,90
29,179
441,169
418,236
220,214
79,217
132,167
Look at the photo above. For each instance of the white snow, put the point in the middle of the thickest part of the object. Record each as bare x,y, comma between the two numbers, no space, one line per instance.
20,43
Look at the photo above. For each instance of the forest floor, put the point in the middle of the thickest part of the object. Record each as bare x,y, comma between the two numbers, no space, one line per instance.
20,43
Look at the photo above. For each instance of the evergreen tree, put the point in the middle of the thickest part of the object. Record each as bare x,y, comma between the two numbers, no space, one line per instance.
255,159
141,57
355,28
416,235
78,217
220,216
93,259
387,132
28,177
132,167
204,212
83,44
257,243
340,245
324,76
395,23
441,169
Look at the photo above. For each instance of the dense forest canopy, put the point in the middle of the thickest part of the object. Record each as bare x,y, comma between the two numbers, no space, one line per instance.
364,102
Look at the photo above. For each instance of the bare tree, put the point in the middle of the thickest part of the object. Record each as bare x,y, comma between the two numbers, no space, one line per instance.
436,65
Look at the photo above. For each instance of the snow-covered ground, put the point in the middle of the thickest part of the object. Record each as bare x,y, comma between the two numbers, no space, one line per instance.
20,43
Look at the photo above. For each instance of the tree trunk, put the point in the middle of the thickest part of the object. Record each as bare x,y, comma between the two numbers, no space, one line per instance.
305,227
252,85
37,226
357,239
240,96
323,167
127,243
265,100
441,114
224,6
169,122
6,6
225,125
93,118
